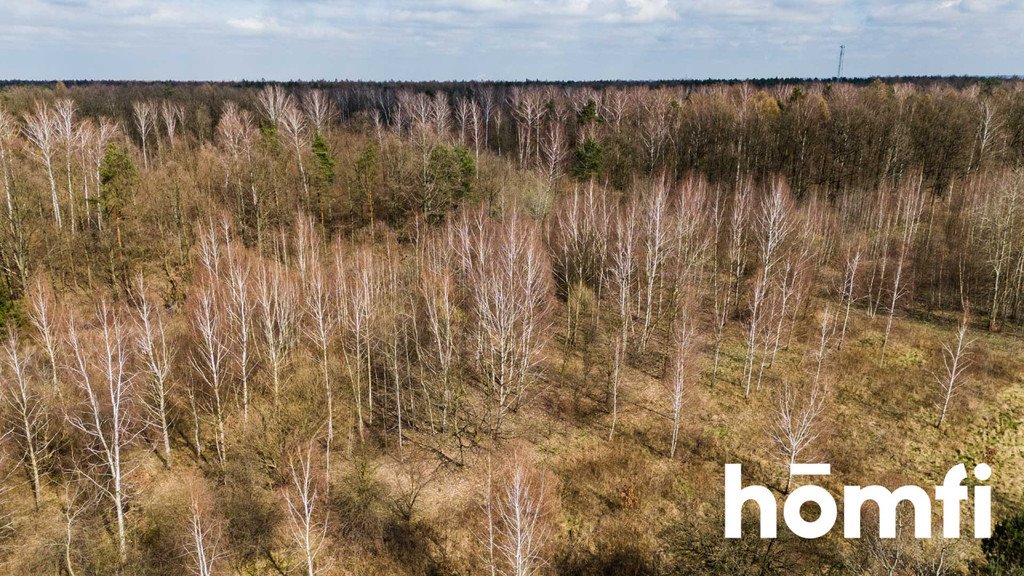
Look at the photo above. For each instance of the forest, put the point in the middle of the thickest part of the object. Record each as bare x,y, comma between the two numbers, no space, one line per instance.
509,329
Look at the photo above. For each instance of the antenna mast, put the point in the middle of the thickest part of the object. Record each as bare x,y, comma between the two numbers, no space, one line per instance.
842,51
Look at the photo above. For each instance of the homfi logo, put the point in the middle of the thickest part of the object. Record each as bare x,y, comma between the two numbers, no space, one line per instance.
951,494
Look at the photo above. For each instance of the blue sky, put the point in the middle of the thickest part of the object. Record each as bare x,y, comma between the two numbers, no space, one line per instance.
505,39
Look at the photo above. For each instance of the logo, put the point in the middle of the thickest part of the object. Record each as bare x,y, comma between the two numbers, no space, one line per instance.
951,494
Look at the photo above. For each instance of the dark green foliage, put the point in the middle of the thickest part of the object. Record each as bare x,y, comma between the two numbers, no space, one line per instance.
589,112
588,159
365,181
324,161
1004,551
9,312
450,171
118,180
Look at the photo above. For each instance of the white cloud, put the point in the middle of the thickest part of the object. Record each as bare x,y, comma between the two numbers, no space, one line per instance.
247,24
425,38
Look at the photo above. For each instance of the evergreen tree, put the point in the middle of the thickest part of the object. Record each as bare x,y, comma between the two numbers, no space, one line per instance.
588,159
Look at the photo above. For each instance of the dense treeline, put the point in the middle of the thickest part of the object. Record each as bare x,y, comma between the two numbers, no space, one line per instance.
333,328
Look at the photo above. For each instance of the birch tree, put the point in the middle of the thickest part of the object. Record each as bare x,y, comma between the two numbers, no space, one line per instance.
209,359
319,110
955,361
438,293
796,423
622,275
519,517
157,359
103,373
44,315
656,233
41,131
272,100
848,288
510,291
307,517
8,132
678,372
172,115
64,115
144,113
204,539
237,133
278,315
29,418
320,328
910,206
241,312
293,124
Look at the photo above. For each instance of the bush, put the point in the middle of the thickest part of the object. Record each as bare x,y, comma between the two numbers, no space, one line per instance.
1004,551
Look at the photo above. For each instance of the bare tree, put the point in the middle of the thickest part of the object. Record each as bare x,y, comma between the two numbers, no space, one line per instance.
518,522
64,114
826,335
889,554
440,114
678,371
277,304
272,101
437,290
44,315
204,535
998,225
579,239
622,274
14,247
796,422
359,295
75,501
555,149
848,288
237,132
157,359
8,132
527,106
321,327
29,418
774,226
911,204
103,373
463,114
656,230
41,131
307,520
738,223
241,313
172,114
955,361
655,123
319,109
509,282
293,124
95,141
210,357
144,113
394,329
754,329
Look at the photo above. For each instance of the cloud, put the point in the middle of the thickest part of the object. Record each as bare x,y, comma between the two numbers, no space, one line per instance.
509,38
247,24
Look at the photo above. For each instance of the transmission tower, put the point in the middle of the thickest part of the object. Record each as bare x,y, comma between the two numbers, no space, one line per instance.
842,52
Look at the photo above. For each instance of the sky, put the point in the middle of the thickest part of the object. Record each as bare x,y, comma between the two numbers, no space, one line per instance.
505,39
